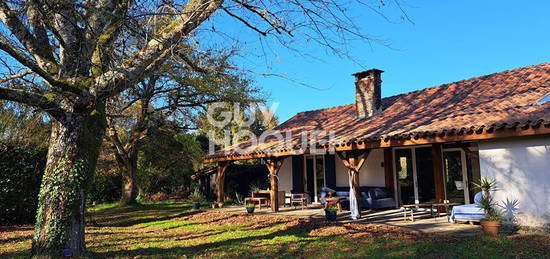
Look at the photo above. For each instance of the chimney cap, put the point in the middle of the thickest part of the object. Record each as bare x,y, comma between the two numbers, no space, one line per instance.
367,72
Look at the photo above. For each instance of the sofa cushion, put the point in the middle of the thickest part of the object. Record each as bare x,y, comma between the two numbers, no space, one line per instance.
380,193
342,194
385,203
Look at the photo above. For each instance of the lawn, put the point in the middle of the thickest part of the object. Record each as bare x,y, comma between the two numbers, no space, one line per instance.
173,230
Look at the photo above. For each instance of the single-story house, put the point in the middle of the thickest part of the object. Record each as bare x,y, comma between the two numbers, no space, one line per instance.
428,145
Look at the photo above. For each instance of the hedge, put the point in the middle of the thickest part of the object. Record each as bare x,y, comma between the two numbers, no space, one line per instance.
21,169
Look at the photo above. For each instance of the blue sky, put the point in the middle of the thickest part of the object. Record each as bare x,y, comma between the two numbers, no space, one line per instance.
449,41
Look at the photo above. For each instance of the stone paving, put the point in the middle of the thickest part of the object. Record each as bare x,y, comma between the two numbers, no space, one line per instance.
423,222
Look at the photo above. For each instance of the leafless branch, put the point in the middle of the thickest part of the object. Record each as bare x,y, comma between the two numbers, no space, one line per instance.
16,76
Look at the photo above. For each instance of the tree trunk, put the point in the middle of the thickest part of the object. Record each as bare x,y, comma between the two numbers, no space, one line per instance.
72,157
127,155
128,169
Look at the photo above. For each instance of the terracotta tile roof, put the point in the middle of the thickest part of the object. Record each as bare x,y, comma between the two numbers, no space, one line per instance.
503,99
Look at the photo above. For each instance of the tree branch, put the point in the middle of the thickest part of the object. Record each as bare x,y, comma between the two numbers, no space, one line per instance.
247,24
25,60
267,16
113,137
115,12
16,76
34,100
39,50
134,69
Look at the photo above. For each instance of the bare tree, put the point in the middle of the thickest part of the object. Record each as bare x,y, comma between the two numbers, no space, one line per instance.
67,58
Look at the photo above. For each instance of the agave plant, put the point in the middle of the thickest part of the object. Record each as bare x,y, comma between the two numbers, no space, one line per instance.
487,186
238,198
487,203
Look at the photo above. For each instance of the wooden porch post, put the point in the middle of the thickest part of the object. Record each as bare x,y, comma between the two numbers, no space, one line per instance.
220,180
388,168
439,182
273,165
354,160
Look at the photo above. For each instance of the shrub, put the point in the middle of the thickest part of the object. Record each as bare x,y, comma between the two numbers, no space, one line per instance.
21,170
196,196
104,187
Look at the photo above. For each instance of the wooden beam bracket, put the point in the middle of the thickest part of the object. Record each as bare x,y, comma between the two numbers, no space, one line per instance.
274,164
220,180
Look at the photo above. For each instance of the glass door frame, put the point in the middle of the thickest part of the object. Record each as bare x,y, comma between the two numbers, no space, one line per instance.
397,191
463,159
465,180
315,188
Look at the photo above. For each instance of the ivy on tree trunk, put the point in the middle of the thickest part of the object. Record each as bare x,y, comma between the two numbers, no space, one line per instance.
72,156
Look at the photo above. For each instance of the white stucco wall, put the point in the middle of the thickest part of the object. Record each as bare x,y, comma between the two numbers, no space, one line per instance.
285,175
522,170
371,174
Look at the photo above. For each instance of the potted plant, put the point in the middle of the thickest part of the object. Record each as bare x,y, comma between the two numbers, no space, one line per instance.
214,205
493,215
250,207
330,213
196,198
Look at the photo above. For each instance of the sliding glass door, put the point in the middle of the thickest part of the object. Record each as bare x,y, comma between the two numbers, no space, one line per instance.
315,176
415,176
405,178
456,175
425,174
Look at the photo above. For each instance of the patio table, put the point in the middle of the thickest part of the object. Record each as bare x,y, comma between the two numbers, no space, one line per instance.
262,197
259,200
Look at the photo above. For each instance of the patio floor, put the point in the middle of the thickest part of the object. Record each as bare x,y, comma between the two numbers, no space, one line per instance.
423,221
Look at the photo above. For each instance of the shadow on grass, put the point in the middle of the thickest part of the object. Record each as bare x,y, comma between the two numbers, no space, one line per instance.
125,216
237,245
298,240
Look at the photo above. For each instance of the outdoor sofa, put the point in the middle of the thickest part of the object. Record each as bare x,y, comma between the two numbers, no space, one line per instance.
370,197
468,212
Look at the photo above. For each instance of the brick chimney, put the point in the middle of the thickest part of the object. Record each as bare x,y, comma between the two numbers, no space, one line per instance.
368,99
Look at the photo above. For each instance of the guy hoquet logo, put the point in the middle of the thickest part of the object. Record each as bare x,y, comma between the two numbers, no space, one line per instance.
223,115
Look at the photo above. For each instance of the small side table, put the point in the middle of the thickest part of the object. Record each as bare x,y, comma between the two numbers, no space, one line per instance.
446,207
411,207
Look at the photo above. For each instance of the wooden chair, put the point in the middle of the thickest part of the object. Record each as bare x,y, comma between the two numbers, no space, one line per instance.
299,198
